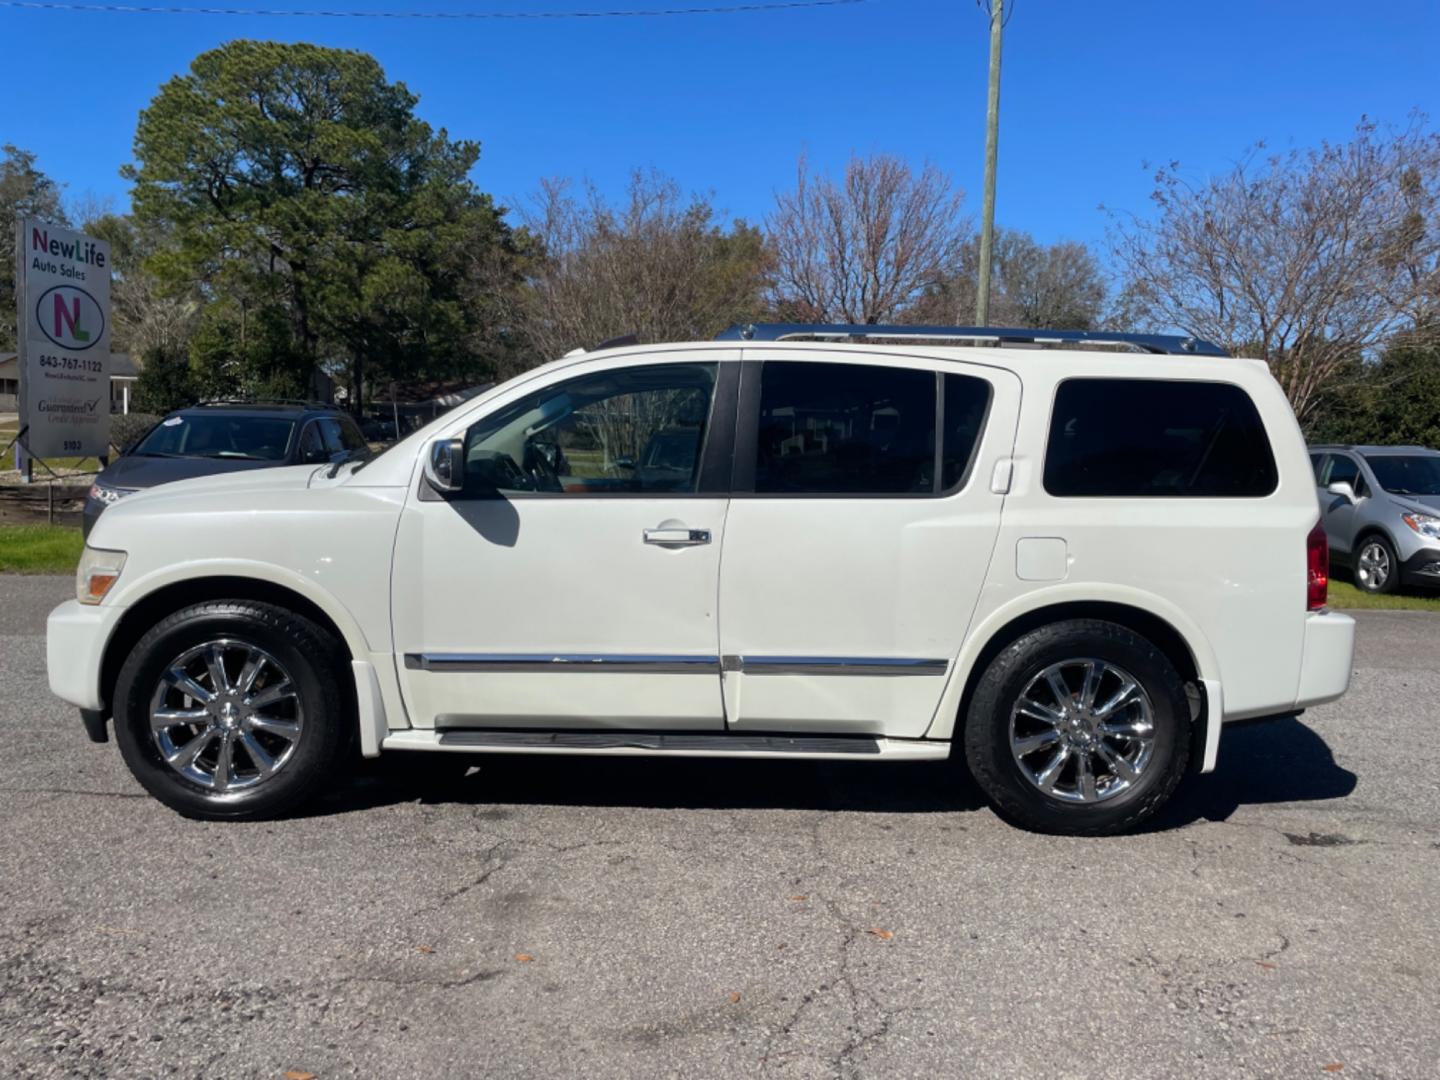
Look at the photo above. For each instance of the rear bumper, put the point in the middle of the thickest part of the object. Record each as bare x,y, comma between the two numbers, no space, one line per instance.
75,637
1329,658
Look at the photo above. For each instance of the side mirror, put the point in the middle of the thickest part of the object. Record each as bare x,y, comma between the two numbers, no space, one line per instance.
624,463
445,464
1343,489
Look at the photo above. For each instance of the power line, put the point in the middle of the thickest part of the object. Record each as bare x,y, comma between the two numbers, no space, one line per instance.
633,13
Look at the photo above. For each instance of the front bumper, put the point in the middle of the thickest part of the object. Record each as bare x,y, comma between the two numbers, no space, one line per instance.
1329,658
1422,568
75,639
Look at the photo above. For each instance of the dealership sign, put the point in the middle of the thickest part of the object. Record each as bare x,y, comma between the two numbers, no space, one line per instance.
64,298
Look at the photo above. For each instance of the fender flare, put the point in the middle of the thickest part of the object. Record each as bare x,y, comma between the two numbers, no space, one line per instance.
947,713
197,571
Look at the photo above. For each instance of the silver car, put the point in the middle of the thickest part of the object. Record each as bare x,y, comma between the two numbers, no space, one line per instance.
1381,506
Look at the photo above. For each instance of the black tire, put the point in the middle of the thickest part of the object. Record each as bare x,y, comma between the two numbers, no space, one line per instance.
987,728
1391,562
313,661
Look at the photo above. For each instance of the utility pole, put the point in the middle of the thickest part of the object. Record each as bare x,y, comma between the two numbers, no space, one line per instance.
992,148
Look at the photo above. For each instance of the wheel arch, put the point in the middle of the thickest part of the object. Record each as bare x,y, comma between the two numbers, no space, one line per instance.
1374,528
144,612
1169,629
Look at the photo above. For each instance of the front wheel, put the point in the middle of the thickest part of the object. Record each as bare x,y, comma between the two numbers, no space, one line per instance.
231,710
1081,727
1377,569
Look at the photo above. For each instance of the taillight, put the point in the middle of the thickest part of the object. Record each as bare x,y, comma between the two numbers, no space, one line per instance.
1317,568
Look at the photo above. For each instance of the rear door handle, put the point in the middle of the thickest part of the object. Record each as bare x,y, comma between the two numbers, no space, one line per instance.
673,537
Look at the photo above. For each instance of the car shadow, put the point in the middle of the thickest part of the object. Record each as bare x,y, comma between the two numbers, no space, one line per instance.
1276,761
1271,761
644,783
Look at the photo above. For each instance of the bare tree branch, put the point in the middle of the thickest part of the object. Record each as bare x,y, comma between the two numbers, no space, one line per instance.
863,249
1309,260
659,266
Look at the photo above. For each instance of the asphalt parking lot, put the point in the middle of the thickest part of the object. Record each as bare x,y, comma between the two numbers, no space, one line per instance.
549,917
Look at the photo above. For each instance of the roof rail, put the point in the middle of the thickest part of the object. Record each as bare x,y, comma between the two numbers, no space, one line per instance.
261,402
1167,344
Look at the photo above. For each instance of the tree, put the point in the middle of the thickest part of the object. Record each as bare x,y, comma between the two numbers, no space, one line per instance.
866,247
1394,400
1310,260
1052,287
146,317
166,382
322,220
659,265
25,191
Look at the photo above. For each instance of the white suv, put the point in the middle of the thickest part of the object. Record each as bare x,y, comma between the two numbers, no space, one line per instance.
852,543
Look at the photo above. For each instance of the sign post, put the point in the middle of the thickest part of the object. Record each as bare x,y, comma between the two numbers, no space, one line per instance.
63,285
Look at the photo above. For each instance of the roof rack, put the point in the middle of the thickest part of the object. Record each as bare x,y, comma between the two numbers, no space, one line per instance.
1172,345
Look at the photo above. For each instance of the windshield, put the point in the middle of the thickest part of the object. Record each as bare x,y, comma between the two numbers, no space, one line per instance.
1406,474
219,435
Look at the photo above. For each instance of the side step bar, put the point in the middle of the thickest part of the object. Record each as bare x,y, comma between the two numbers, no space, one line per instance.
645,740
670,744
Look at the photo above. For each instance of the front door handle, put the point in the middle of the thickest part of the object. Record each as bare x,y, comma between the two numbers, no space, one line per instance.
677,537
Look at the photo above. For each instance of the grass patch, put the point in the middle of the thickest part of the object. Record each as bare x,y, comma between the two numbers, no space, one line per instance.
1344,595
39,549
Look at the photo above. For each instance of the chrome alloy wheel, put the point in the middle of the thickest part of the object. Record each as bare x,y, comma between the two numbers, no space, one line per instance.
226,715
1083,731
1373,566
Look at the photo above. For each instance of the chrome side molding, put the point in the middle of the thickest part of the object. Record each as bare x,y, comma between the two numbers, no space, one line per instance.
833,665
533,663
658,664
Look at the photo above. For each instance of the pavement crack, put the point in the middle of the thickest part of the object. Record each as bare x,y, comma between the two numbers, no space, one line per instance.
869,1020
496,864
483,975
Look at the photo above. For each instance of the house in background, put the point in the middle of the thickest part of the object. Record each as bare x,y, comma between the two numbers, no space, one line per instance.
123,373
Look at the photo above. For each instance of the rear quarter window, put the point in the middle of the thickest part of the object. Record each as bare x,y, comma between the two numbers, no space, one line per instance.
1157,438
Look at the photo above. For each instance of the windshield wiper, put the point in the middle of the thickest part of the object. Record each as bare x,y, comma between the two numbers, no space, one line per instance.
232,455
345,459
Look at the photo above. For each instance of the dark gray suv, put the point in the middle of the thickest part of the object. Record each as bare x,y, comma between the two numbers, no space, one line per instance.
1381,506
225,437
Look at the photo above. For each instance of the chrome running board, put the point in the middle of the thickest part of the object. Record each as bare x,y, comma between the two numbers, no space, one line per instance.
669,744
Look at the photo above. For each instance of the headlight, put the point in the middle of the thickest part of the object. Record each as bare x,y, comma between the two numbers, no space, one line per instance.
98,571
1427,525
108,495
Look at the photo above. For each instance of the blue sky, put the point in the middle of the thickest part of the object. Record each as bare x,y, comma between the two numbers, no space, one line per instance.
725,103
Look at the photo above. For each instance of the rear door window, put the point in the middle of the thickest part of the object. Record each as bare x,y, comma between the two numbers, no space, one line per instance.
1156,438
861,429
967,402
845,429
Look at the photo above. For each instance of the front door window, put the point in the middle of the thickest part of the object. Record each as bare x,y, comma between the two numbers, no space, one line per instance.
631,431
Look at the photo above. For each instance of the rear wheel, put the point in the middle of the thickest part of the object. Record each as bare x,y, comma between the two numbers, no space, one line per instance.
1080,727
1377,570
232,710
